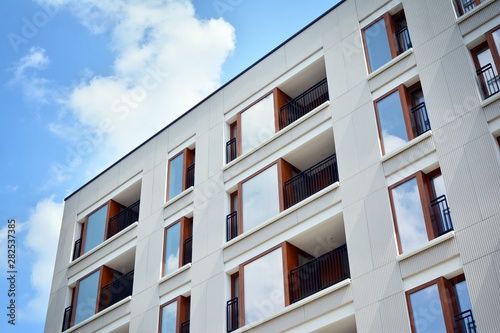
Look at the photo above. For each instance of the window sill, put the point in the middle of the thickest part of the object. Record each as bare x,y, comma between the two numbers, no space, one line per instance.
296,305
98,314
281,214
103,244
429,244
490,100
178,196
473,11
278,134
175,273
406,146
394,61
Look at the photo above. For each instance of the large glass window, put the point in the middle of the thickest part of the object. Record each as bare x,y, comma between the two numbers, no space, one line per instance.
487,61
257,124
422,302
169,318
177,245
86,298
180,173
95,228
260,198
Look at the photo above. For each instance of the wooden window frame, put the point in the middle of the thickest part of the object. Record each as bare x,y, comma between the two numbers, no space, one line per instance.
187,161
494,50
182,313
425,192
185,231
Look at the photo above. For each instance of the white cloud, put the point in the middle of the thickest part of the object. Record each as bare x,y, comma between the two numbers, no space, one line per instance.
43,227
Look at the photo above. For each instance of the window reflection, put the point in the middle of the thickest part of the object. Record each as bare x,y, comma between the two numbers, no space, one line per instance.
257,124
175,176
409,215
263,285
392,122
377,45
96,225
172,246
260,198
462,293
168,318
87,297
427,310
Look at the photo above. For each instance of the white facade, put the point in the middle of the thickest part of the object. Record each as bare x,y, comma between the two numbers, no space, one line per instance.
369,208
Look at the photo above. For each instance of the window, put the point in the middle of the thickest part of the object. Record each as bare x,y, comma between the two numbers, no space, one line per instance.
180,173
487,61
174,316
441,305
420,209
177,245
401,116
465,6
385,39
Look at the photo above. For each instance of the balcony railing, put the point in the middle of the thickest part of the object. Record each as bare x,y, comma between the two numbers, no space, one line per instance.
311,181
465,323
231,150
185,327
319,273
304,103
489,80
123,219
467,5
67,318
116,290
231,225
190,176
77,248
188,250
403,38
420,119
232,315
440,214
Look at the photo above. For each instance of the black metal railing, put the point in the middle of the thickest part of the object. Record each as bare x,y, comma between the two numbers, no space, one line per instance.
67,318
232,318
489,80
231,225
116,290
185,327
403,38
190,176
440,214
188,250
465,323
468,5
319,273
77,248
231,150
123,219
304,103
311,181
420,119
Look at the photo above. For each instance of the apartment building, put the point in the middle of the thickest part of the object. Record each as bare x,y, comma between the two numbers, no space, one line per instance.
349,181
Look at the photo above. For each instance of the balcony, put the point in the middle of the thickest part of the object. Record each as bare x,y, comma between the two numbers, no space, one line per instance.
123,219
185,327
231,152
319,273
190,176
116,290
188,250
488,80
68,312
420,119
232,315
231,225
77,249
303,104
403,39
440,215
310,181
465,323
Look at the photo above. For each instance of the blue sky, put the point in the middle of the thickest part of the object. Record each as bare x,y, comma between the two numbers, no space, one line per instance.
78,77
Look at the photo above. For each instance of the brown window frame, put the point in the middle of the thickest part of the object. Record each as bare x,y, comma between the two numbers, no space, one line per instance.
183,311
489,43
426,195
185,231
187,161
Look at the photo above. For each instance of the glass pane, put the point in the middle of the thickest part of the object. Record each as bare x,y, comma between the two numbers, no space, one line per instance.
409,215
377,45
427,311
96,225
87,297
172,246
257,124
484,58
438,186
168,318
496,38
392,122
260,198
462,292
175,176
264,287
